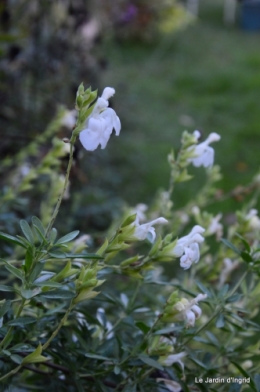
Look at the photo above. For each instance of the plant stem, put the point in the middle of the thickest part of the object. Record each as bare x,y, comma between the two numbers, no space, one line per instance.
61,323
12,372
11,328
203,326
56,210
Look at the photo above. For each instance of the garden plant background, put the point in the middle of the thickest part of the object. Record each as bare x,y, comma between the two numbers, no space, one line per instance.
113,305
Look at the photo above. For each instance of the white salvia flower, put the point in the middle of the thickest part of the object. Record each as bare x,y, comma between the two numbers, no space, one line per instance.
173,358
189,310
253,220
187,247
69,119
171,385
204,154
141,231
215,227
100,123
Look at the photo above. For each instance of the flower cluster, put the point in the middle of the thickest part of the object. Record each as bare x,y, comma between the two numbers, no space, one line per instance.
100,123
187,247
182,309
203,153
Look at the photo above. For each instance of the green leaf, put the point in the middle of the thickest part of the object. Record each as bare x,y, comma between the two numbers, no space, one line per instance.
130,219
48,283
4,308
58,294
165,331
27,231
204,289
68,237
57,255
245,374
96,356
35,356
6,288
246,257
144,328
14,271
150,362
28,258
27,294
36,271
53,235
246,245
16,358
231,246
21,321
40,235
12,239
83,256
220,322
38,224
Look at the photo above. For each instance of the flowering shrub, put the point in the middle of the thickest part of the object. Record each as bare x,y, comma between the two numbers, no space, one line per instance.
111,319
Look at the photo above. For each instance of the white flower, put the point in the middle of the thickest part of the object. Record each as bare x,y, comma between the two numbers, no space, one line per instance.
253,220
189,310
142,231
139,210
171,385
100,123
173,358
69,119
187,247
203,153
215,227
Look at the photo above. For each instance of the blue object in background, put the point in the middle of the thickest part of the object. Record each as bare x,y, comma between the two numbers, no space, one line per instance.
250,15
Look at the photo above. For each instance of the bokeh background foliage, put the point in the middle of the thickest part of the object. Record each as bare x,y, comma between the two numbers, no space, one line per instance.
203,75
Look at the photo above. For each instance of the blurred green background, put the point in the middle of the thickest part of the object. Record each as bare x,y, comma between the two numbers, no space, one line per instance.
202,75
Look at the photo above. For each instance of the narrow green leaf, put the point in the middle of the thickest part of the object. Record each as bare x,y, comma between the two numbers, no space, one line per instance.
96,356
246,257
28,258
6,288
165,331
36,271
246,244
68,237
16,358
220,322
58,255
37,223
27,231
58,294
83,256
245,374
53,235
47,283
40,235
204,289
21,321
14,271
4,308
12,239
231,246
144,328
150,362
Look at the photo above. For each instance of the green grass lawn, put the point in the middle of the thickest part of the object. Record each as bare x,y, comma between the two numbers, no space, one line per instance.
205,77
